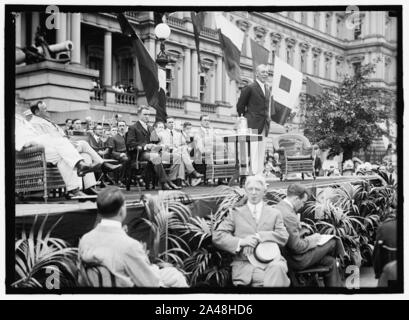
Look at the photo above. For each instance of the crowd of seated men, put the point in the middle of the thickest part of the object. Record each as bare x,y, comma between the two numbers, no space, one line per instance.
175,157
76,159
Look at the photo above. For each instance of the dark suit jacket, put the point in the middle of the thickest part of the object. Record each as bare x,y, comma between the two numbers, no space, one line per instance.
137,136
254,106
296,244
387,234
100,145
117,145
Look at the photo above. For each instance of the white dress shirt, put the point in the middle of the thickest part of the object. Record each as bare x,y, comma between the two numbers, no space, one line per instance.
256,210
111,223
262,85
144,125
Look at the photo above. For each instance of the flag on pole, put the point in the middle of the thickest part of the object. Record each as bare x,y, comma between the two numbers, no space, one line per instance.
313,89
231,42
259,54
287,83
198,25
147,67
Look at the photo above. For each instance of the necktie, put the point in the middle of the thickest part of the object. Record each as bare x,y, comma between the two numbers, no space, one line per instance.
255,214
266,92
171,138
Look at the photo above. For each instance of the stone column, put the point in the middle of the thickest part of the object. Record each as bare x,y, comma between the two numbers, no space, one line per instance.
333,24
35,23
310,19
195,75
333,69
297,16
186,73
219,78
381,21
233,93
366,25
322,21
76,37
150,46
179,68
61,33
107,59
17,19
226,86
297,57
317,51
321,71
373,15
276,42
212,85
309,61
282,50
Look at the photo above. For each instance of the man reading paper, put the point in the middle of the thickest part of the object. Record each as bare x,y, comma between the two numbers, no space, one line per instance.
304,252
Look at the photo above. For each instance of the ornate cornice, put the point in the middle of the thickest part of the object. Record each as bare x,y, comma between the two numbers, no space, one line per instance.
316,50
276,37
244,25
260,32
304,46
328,54
290,42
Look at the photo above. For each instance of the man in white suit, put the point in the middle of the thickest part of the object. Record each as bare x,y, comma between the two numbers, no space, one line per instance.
109,245
247,226
173,139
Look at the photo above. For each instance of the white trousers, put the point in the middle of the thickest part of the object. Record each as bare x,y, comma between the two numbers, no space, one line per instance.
61,152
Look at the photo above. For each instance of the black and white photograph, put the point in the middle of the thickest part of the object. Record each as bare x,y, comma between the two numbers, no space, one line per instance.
203,150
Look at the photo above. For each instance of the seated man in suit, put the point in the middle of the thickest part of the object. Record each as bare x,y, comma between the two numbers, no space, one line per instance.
302,253
173,140
139,137
385,250
109,245
203,145
97,141
247,226
117,147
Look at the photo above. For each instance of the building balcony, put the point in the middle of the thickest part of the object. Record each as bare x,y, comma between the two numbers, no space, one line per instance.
208,107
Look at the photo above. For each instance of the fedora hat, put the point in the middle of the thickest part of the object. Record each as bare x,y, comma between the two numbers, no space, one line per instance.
264,253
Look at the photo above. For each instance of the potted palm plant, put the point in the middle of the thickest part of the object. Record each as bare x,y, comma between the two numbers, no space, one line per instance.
38,256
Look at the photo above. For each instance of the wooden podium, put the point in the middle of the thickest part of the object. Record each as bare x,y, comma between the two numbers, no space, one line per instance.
242,158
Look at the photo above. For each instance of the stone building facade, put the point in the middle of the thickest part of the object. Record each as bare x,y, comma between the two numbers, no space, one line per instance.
322,45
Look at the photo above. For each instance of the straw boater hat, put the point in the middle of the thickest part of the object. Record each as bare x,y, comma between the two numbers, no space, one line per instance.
264,253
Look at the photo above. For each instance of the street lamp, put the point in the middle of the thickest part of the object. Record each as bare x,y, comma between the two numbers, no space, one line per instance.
162,32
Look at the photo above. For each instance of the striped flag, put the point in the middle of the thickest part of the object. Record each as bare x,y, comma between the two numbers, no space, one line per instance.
259,54
287,83
198,25
155,95
231,41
